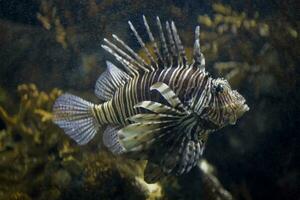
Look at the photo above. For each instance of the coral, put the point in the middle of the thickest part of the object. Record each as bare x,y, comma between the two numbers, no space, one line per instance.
38,162
26,140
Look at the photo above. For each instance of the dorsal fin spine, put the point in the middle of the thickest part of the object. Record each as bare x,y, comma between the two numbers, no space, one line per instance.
172,46
168,50
178,43
141,42
154,44
139,60
125,55
124,62
166,54
199,60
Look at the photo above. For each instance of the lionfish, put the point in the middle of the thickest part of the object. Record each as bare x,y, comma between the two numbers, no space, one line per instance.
161,108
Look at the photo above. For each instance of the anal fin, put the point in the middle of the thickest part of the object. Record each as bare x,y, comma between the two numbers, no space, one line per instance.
111,140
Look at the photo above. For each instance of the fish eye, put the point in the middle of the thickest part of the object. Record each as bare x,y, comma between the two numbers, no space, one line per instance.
219,88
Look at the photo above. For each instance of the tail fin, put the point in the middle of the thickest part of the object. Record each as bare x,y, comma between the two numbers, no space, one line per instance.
76,117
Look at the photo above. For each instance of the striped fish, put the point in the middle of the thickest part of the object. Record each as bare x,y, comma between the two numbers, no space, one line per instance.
161,108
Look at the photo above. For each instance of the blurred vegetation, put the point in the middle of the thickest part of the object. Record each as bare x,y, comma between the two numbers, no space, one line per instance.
252,48
257,51
38,162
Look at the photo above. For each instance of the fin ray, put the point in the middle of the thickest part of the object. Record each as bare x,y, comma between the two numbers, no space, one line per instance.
75,116
198,59
111,140
154,44
168,94
152,117
168,49
178,44
157,107
109,81
142,44
165,50
131,142
141,62
174,56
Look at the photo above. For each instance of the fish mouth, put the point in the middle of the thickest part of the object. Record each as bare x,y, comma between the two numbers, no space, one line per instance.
240,110
245,107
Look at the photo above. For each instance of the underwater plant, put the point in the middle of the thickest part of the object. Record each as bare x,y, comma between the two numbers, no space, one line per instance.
250,47
38,162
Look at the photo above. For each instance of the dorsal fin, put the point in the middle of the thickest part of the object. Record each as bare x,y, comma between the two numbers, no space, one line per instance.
141,42
198,59
109,81
178,44
165,50
154,44
168,50
174,53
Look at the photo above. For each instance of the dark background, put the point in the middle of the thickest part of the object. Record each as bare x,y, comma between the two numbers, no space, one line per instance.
256,159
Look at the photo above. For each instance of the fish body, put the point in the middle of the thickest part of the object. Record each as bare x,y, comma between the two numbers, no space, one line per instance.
121,107
162,110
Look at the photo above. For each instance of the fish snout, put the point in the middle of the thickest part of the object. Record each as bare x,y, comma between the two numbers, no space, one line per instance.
242,109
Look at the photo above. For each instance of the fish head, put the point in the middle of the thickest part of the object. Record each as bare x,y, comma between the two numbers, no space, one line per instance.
225,105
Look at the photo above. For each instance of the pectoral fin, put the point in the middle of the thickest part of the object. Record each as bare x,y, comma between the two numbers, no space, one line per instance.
168,134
